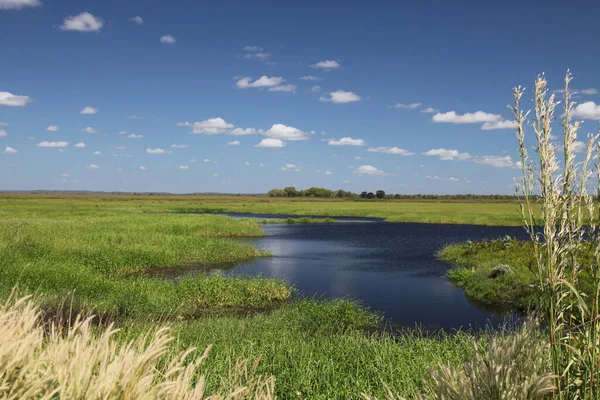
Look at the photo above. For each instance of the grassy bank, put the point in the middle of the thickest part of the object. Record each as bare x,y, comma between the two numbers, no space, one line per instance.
480,213
498,272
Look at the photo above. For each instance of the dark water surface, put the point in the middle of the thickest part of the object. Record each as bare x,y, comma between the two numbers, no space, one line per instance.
389,267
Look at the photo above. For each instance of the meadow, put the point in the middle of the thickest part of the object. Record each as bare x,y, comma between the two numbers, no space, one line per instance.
95,255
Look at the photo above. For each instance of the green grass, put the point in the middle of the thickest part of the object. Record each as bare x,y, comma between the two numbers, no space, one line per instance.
474,212
474,271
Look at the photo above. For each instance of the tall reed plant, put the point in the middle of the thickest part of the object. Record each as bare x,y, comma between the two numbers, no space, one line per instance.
566,225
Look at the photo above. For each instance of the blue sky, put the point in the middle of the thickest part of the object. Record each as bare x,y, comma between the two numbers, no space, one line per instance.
353,95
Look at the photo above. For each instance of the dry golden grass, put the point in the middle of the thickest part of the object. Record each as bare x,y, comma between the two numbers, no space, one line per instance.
76,362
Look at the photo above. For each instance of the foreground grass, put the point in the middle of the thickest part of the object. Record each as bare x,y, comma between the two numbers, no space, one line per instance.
479,213
498,272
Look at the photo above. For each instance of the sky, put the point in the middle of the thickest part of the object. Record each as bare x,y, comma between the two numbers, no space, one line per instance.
245,96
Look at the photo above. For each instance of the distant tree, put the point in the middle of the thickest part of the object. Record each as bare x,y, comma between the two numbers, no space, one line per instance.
380,194
290,191
363,195
276,193
370,195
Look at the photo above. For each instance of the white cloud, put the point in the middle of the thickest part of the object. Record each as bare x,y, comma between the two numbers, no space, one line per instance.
14,100
97,153
155,151
390,150
120,147
84,22
207,160
261,56
134,117
263,81
89,110
452,117
327,64
247,163
283,88
79,145
186,123
142,168
590,91
346,141
358,158
496,161
368,170
488,126
340,97
184,167
270,143
18,4
3,133
53,128
211,126
233,143
284,132
310,78
440,178
89,129
134,136
179,146
290,167
447,154
327,173
9,151
587,110
252,49
430,110
3,123
52,144
215,174
411,106
123,133
168,39
241,132
315,89
137,20
93,166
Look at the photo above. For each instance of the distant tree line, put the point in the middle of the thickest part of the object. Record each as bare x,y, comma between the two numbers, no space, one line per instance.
291,191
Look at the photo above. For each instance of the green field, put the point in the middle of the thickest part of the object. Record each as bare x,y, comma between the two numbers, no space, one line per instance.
500,213
94,254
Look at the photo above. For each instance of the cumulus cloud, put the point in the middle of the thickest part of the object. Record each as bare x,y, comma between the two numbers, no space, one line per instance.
290,167
211,126
252,49
315,89
137,20
327,64
89,129
179,146
283,88
368,170
186,123
168,39
430,110
184,167
496,161
260,56
451,117
340,97
79,145
93,166
89,110
233,143
247,163
390,150
488,126
284,132
441,178
123,133
327,173
155,151
241,132
587,110
142,168
134,136
448,154
310,78
52,144
14,100
18,4
53,128
84,22
9,151
346,141
263,81
3,133
590,91
411,106
270,143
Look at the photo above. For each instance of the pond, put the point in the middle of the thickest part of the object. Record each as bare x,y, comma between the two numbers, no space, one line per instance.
389,267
